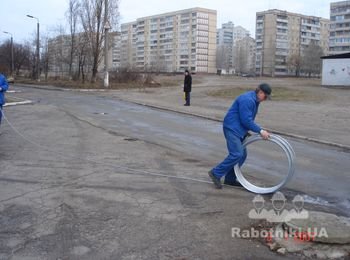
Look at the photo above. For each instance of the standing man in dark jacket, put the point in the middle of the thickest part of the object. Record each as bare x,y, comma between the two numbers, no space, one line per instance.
187,87
3,88
237,122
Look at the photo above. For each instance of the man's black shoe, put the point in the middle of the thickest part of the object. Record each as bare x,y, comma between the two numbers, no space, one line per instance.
233,183
215,180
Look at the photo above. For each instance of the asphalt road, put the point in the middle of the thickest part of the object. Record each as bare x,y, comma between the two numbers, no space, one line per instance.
79,180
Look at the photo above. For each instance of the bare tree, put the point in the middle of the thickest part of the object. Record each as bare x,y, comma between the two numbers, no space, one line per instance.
222,57
72,16
79,53
58,49
45,57
83,58
161,63
92,19
311,62
5,55
294,63
22,54
241,57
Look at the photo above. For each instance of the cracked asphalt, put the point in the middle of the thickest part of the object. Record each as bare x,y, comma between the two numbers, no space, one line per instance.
81,179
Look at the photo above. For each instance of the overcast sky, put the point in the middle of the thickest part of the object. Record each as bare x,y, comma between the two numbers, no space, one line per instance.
51,13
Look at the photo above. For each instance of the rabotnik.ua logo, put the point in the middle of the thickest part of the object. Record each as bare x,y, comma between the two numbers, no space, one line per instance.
279,214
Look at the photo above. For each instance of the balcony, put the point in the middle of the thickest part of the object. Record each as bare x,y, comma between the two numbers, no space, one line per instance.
282,20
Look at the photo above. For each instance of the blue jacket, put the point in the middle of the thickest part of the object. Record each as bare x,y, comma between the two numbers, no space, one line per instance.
4,86
240,117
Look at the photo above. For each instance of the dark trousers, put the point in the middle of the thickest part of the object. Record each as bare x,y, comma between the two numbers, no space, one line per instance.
187,98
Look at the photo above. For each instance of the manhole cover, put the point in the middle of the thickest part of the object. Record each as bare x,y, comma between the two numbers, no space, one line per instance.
130,139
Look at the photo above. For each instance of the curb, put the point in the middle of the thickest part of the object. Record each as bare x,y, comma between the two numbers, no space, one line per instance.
310,139
39,87
53,88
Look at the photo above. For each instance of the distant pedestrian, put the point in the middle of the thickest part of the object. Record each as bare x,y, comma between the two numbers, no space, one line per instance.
3,88
187,87
237,122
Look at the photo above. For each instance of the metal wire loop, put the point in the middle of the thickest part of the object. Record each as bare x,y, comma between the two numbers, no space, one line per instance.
286,147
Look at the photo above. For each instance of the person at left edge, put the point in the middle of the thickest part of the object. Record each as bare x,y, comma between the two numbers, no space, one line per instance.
3,88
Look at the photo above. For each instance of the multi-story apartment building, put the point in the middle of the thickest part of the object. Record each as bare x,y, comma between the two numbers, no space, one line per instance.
339,31
115,55
171,42
281,34
128,45
228,34
59,51
224,44
226,37
244,55
239,33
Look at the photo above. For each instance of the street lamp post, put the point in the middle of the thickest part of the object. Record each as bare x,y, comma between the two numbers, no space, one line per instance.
12,60
106,27
37,48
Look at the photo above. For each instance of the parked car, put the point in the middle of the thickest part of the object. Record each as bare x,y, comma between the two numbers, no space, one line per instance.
248,75
10,79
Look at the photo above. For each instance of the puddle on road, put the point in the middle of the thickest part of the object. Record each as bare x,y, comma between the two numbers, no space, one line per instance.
317,200
100,113
340,206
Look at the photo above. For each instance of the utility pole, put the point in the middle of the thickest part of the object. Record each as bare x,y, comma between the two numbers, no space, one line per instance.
37,48
106,27
12,60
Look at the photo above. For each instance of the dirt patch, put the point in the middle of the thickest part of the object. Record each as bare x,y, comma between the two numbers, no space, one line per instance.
178,80
279,94
13,99
142,81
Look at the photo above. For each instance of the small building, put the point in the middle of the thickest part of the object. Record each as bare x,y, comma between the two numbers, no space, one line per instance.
336,70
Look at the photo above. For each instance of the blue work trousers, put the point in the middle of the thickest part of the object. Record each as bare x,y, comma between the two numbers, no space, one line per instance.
236,154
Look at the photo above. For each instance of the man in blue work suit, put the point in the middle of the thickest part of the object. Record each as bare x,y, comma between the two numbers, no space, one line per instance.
3,88
237,122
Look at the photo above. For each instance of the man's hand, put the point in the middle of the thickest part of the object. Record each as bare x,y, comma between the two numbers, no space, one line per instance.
264,134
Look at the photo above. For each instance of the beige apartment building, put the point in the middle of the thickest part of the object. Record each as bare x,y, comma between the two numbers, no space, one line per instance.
115,51
171,42
226,38
244,56
339,32
224,44
59,49
281,35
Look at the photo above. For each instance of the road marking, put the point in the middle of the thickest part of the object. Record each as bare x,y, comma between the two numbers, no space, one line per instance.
25,102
